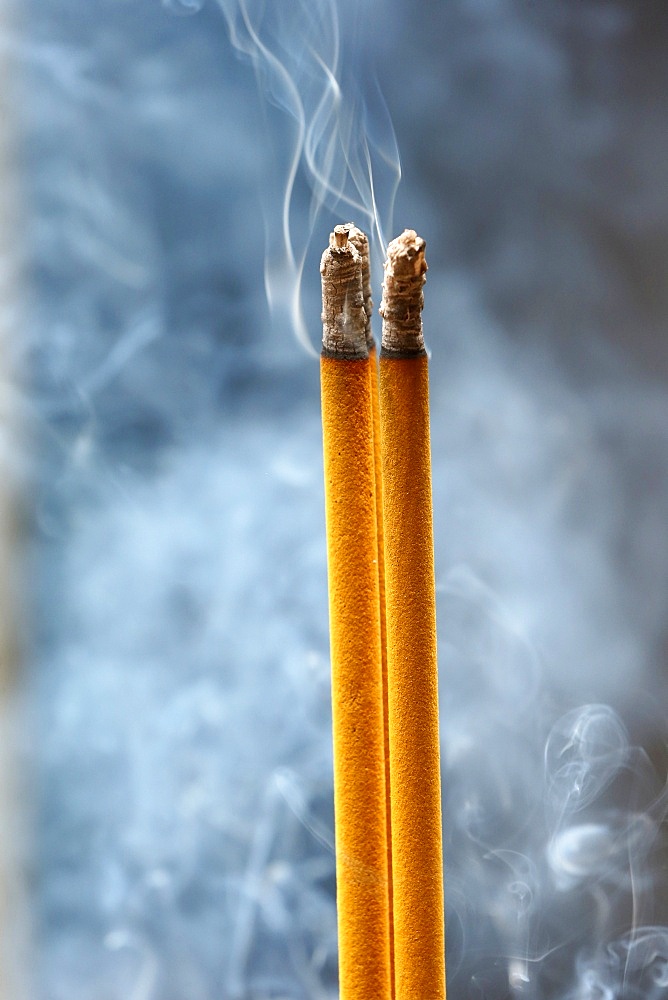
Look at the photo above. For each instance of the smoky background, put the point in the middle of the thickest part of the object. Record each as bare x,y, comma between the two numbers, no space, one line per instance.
174,691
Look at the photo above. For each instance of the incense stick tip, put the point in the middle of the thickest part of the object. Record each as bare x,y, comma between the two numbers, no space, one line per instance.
343,314
360,241
339,236
357,237
403,299
405,255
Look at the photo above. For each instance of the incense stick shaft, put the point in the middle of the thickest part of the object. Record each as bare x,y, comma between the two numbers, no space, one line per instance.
417,867
358,726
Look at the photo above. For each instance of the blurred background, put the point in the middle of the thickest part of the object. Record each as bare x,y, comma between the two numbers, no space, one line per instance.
166,781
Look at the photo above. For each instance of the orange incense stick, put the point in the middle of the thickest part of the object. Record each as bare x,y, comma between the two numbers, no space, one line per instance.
361,243
415,796
354,609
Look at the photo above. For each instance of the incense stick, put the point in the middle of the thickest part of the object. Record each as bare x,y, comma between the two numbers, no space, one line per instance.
360,241
417,866
354,607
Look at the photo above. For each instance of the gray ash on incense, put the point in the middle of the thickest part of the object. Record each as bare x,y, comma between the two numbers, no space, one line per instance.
403,299
360,241
343,313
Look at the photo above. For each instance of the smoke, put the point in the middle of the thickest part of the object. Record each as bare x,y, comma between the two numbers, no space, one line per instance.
178,658
314,62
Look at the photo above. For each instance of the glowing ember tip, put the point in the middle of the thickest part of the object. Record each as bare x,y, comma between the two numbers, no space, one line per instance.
402,301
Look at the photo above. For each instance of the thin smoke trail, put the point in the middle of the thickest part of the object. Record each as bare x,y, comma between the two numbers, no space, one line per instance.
342,141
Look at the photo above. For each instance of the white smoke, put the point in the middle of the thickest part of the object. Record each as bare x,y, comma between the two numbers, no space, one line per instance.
314,62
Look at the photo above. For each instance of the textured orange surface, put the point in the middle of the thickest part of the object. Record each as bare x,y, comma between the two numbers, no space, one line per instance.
357,703
375,405
415,795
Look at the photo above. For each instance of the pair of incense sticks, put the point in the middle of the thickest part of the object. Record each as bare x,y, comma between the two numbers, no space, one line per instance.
382,625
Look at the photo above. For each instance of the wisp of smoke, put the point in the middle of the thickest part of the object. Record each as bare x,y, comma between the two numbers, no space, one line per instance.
313,63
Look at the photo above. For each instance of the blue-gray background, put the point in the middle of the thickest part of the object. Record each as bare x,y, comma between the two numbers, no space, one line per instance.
178,657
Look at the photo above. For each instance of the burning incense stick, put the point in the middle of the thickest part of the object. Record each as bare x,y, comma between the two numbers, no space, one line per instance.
354,607
417,866
361,243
